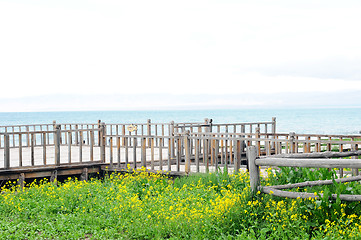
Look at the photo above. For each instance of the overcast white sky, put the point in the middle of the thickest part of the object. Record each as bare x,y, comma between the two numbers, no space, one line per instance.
114,54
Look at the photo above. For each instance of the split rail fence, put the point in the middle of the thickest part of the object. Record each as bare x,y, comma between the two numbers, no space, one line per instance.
318,160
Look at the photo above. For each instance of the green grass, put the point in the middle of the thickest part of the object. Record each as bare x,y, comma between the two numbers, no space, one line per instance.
151,206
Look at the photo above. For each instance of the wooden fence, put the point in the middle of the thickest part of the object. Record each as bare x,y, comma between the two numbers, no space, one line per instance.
180,147
55,144
302,160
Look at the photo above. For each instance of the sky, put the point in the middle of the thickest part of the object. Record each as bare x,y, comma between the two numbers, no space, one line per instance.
59,55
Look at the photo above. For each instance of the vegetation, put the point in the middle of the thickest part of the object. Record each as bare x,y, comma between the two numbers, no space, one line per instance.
151,206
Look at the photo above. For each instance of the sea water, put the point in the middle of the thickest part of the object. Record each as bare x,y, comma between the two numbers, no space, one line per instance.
321,121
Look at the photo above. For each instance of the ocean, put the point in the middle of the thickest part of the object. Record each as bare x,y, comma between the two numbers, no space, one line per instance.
322,121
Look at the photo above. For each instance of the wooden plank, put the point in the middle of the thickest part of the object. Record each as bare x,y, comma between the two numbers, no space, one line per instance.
152,155
57,144
118,151
316,183
197,141
81,146
144,152
187,152
160,154
304,195
126,150
179,153
69,146
319,154
111,151
134,153
170,154
91,145
6,151
311,163
32,159
20,150
44,148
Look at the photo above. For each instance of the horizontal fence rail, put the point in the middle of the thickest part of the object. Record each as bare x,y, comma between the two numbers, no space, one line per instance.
254,162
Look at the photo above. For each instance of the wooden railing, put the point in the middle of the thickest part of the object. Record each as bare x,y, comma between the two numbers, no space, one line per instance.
41,148
187,147
302,160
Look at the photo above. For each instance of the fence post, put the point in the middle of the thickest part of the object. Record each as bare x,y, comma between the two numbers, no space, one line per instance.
57,144
237,159
143,151
258,142
243,143
172,143
292,142
99,133
102,142
149,132
6,151
274,132
253,168
187,152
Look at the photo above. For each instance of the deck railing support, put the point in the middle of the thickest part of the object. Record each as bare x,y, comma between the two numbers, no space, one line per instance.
99,133
273,131
143,152
172,141
102,142
149,131
187,152
57,144
6,151
292,142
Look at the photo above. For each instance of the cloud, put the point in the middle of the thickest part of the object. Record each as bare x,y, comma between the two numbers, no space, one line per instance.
82,48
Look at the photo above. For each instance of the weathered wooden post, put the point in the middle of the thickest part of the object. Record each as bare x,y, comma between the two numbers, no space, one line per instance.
44,148
206,125
102,142
99,133
237,160
57,144
143,151
118,152
27,136
111,152
292,142
354,147
80,146
243,144
32,151
187,152
135,143
258,142
21,181
172,140
21,151
69,145
274,132
6,151
253,168
149,131
76,134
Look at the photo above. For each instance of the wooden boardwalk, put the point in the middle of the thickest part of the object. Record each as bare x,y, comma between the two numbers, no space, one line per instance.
50,150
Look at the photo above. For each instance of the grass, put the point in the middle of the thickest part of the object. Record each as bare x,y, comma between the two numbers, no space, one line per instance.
150,206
